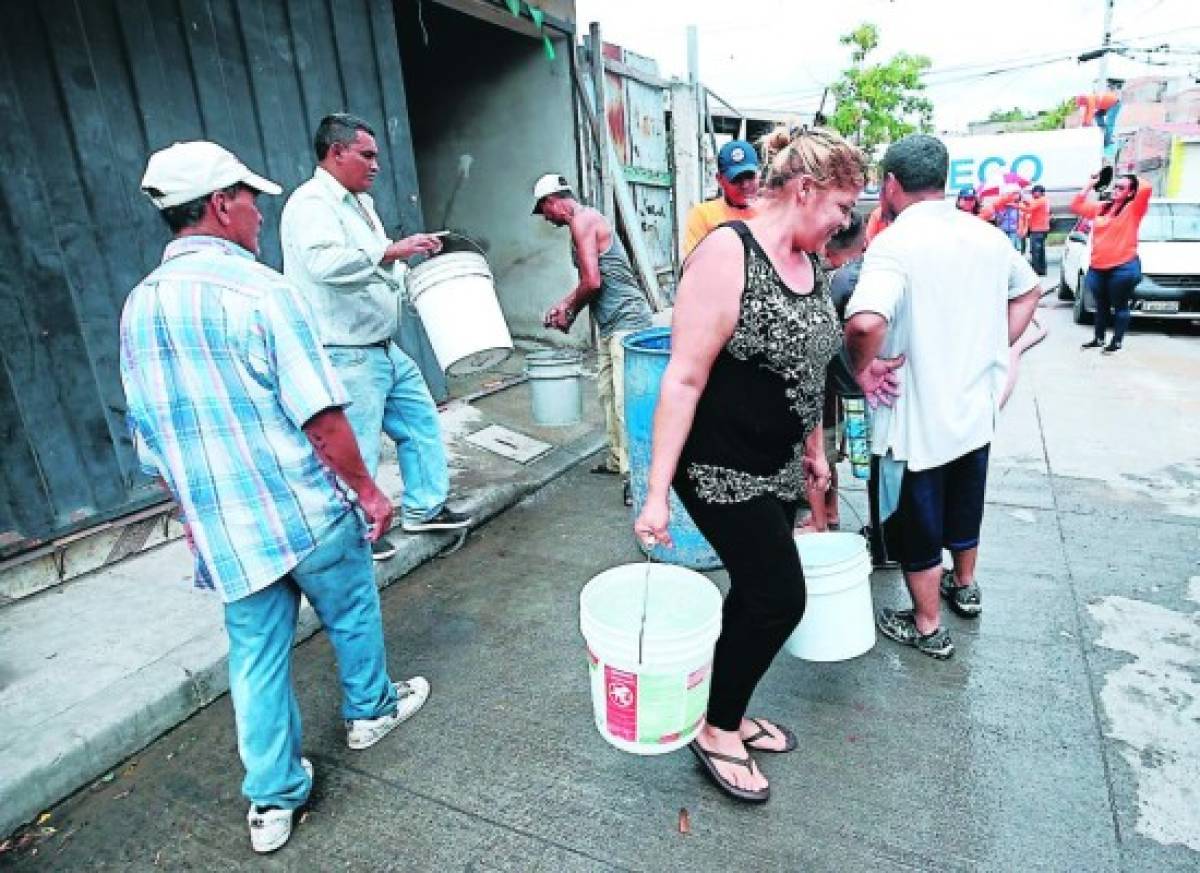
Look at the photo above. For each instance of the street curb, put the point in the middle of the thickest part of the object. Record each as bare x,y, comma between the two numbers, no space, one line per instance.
73,752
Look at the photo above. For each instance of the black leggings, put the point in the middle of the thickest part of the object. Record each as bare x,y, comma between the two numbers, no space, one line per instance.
766,592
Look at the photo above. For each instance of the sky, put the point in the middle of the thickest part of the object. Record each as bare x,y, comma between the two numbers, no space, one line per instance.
780,54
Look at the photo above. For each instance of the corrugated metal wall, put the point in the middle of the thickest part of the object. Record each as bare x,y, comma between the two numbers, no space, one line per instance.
87,89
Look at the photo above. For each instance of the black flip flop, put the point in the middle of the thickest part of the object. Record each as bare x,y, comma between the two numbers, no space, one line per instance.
706,758
789,738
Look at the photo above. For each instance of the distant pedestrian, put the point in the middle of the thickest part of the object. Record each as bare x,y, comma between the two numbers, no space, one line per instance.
737,179
952,296
1115,268
737,430
1007,216
613,295
233,403
968,200
1038,210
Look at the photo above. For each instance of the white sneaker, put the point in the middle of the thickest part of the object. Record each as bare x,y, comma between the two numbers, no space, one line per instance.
270,829
362,733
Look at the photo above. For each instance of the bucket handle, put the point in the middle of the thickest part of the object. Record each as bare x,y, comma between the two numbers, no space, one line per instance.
645,603
466,239
407,298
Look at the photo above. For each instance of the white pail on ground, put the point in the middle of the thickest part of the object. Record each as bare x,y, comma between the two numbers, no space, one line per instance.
556,386
649,678
456,298
839,621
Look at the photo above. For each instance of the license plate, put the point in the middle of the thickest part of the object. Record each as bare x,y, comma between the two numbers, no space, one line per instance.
1160,306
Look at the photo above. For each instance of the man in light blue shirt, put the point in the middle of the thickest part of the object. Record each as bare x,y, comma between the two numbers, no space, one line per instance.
337,253
232,402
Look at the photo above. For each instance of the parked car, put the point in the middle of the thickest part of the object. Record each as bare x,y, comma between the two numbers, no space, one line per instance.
1169,246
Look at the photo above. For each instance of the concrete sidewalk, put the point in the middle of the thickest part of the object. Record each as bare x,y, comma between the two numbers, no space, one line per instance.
95,668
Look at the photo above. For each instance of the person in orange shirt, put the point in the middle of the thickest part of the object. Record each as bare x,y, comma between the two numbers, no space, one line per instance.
737,177
1037,213
1114,269
877,222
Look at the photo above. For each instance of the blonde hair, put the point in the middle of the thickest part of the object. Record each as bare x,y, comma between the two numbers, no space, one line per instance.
817,152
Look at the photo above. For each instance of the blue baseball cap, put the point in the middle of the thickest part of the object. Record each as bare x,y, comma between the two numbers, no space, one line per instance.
967,191
736,157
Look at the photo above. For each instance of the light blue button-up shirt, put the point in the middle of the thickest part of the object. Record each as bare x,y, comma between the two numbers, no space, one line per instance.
333,242
222,369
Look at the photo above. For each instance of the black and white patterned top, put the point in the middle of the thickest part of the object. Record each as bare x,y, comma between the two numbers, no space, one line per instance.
766,389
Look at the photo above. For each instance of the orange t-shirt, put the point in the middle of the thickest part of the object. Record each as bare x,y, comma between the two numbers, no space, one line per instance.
1115,235
875,223
709,215
1038,210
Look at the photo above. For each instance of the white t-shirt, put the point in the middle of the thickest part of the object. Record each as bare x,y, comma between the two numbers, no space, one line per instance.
942,278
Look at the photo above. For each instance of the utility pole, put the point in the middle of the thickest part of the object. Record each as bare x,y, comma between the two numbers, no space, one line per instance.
1105,46
693,55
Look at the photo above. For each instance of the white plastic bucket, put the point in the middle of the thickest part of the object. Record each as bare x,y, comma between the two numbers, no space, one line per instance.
556,386
456,299
649,679
839,621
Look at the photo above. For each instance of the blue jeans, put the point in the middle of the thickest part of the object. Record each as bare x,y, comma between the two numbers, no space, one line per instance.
339,581
1037,251
1112,289
1015,238
389,395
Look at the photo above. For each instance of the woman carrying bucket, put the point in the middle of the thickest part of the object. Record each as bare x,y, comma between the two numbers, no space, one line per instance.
737,430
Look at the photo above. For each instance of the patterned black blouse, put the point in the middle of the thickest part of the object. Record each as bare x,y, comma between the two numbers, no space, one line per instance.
766,389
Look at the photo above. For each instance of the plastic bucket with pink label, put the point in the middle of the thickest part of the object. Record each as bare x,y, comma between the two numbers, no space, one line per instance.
650,631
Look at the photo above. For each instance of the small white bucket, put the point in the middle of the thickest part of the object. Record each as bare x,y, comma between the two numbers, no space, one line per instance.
649,678
456,298
839,620
556,386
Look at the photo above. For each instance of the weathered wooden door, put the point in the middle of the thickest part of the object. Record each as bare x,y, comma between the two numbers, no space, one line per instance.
636,108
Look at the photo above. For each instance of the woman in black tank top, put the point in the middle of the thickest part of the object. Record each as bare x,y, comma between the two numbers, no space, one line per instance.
737,430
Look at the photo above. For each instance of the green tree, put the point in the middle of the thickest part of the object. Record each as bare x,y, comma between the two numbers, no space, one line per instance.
1013,114
1054,118
879,102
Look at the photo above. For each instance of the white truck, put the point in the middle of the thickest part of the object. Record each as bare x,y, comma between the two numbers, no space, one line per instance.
1059,160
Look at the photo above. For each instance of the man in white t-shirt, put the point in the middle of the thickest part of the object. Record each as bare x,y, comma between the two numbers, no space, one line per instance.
951,294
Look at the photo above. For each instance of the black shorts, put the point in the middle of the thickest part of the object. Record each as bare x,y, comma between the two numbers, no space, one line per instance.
940,508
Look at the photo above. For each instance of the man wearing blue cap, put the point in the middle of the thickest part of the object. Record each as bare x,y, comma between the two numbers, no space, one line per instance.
737,177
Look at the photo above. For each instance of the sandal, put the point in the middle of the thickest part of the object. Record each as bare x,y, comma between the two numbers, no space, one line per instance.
602,469
789,738
706,758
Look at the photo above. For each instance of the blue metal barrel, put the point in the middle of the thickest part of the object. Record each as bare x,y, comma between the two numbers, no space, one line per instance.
646,355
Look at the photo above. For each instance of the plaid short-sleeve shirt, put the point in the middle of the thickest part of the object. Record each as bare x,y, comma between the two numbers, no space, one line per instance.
222,368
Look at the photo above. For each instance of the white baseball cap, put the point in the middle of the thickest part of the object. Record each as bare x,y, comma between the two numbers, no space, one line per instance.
188,170
551,183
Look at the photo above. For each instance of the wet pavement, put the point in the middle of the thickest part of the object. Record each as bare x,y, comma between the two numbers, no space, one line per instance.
1062,736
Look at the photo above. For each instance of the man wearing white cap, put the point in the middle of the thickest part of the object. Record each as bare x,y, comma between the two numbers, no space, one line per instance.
233,403
615,299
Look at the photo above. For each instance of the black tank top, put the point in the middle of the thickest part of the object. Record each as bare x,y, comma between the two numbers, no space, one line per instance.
766,389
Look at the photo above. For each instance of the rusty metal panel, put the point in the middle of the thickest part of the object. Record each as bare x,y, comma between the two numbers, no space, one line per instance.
614,104
90,88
